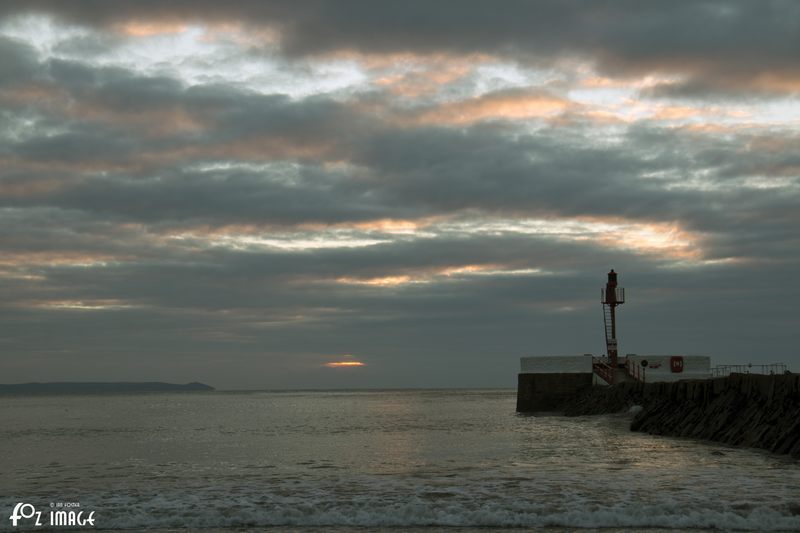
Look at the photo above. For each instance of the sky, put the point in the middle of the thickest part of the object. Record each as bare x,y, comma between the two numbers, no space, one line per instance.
251,193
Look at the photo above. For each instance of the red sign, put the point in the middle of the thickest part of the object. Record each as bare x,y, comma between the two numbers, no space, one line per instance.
676,363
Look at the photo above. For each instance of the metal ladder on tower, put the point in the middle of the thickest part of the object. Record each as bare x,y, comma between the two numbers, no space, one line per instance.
612,296
607,323
601,366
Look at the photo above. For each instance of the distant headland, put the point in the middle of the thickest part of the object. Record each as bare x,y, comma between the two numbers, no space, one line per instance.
67,387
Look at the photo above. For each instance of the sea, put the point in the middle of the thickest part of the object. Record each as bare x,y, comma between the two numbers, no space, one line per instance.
356,461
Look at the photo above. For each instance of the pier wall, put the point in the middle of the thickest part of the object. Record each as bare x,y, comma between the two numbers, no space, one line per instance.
550,391
761,411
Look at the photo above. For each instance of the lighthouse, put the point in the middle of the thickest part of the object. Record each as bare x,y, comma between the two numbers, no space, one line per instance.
612,296
547,382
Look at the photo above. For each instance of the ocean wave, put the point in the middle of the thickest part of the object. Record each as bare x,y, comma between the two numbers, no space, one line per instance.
197,511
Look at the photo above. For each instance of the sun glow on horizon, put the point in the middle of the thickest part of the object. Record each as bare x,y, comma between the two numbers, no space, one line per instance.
344,364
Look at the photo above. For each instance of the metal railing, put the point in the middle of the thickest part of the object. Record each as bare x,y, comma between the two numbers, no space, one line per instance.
602,367
619,295
635,371
725,370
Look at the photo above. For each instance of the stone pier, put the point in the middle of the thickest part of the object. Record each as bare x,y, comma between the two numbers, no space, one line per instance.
761,411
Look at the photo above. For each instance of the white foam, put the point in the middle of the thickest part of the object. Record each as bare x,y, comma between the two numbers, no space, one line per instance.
202,510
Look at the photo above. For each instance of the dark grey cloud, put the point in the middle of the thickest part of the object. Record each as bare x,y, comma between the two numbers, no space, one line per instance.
708,41
81,145
18,61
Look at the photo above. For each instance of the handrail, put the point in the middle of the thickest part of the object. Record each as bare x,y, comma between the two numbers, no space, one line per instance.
637,372
602,368
619,295
724,370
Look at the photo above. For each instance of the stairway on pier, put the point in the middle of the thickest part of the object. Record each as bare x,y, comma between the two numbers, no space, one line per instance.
620,376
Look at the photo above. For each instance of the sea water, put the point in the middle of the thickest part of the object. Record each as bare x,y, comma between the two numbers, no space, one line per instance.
372,461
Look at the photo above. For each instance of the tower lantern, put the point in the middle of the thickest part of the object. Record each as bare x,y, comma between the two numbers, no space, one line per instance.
611,297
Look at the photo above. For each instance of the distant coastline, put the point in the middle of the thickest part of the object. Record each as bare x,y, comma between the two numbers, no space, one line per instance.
68,387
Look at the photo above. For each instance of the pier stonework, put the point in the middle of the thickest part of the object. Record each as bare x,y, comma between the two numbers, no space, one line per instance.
760,411
550,391
546,383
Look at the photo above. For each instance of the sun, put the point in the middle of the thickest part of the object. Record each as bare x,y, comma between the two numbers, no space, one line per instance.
344,364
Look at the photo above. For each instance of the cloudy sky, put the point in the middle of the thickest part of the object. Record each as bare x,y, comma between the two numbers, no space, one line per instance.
244,192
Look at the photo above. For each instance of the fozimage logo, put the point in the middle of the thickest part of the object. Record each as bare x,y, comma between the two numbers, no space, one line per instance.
60,514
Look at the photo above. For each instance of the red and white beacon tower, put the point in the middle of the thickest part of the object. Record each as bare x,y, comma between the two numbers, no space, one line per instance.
611,297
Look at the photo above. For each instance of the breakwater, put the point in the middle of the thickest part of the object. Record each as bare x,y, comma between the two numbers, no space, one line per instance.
761,411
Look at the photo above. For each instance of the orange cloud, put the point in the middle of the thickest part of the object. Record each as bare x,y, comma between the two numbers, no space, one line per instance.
715,129
423,82
83,305
676,112
467,269
777,82
391,225
153,122
268,148
512,105
411,75
21,189
385,281
661,239
58,258
46,95
440,274
381,225
150,28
